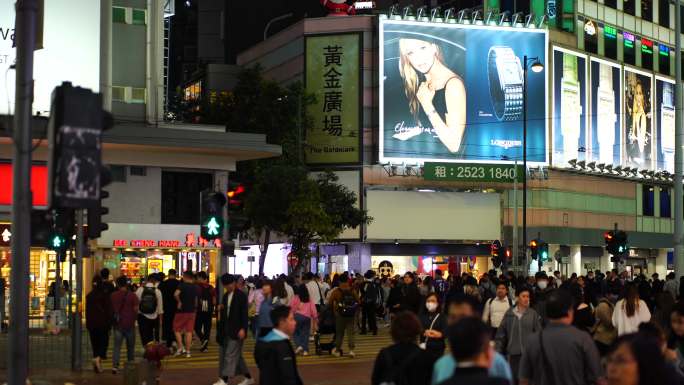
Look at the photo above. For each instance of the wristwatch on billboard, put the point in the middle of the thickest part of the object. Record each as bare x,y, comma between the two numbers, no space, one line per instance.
605,114
505,83
667,125
571,107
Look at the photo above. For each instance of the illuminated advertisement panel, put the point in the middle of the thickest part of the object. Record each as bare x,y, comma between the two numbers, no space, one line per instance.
604,135
665,123
637,144
454,93
569,106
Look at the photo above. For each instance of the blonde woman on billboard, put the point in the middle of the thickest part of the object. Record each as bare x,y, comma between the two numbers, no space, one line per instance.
432,87
638,131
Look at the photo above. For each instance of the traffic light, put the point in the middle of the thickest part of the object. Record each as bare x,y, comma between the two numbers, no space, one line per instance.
495,251
616,243
543,251
62,231
41,227
508,256
534,248
237,220
211,215
95,224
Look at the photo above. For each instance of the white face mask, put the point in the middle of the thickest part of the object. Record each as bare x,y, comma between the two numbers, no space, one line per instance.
542,284
431,306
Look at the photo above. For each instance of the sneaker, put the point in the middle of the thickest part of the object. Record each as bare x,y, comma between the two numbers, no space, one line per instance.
312,338
115,370
179,352
205,346
335,352
246,381
305,353
299,350
351,354
220,382
187,354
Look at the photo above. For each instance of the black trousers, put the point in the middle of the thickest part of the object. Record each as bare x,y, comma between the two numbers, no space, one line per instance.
99,339
203,326
167,328
147,328
368,316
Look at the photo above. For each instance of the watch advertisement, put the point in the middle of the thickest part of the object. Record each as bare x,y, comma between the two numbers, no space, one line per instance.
569,106
604,134
454,93
665,120
638,130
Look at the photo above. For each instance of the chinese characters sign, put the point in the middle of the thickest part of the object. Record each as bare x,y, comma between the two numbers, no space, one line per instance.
332,76
472,172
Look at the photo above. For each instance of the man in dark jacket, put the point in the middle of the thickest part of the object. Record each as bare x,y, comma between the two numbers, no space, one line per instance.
168,288
231,332
470,345
274,355
410,296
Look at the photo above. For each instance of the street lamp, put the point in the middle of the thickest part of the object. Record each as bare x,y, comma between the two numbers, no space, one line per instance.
536,67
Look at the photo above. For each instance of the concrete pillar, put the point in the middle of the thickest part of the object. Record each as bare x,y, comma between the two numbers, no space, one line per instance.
575,260
606,264
661,263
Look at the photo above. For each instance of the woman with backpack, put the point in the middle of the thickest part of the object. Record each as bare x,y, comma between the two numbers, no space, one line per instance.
345,302
306,315
98,314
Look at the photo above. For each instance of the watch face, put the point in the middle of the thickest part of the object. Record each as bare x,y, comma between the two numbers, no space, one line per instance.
509,72
605,117
667,122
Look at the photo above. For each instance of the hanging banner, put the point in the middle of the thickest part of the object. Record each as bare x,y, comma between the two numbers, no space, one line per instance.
638,140
606,117
665,118
569,106
333,77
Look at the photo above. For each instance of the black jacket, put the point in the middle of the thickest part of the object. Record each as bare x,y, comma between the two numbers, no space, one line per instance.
168,289
237,317
403,363
473,376
410,298
277,363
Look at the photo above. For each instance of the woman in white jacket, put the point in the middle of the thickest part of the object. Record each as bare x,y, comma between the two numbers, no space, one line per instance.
630,311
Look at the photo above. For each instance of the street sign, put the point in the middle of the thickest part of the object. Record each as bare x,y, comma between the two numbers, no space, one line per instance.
472,172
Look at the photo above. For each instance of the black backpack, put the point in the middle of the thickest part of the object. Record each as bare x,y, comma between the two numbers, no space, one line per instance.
371,294
148,300
347,306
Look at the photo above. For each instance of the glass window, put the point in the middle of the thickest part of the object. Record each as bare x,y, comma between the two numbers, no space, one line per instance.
647,201
139,17
665,204
590,37
647,9
629,6
628,41
610,3
681,15
664,13
181,196
663,59
610,41
119,15
646,53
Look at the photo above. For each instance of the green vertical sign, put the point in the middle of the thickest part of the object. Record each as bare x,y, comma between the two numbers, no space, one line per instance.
332,76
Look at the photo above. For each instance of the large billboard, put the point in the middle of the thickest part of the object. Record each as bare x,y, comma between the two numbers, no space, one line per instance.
604,136
71,51
569,106
665,123
333,77
454,93
638,149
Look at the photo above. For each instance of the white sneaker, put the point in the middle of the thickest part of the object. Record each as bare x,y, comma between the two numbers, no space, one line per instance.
220,382
187,354
247,381
335,352
351,354
299,350
305,353
179,352
311,338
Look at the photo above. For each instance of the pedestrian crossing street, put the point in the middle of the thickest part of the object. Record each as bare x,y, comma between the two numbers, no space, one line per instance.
367,348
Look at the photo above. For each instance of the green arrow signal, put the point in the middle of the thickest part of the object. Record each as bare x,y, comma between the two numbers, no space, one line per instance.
213,227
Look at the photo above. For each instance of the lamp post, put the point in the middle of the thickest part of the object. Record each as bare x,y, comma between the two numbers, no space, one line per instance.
536,67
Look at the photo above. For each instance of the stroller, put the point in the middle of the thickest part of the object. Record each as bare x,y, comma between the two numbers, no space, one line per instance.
326,325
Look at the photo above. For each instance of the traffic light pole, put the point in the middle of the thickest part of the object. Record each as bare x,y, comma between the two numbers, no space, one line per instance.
678,236
76,359
25,39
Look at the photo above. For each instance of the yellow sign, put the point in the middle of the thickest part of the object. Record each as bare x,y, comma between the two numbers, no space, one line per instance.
332,76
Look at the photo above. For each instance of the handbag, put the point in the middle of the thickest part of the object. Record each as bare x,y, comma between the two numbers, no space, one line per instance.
423,345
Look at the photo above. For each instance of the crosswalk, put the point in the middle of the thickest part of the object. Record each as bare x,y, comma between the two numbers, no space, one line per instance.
367,348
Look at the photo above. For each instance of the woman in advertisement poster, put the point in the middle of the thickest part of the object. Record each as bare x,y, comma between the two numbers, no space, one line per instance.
433,89
638,136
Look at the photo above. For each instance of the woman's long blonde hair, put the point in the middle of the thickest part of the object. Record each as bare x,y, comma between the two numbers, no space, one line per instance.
410,76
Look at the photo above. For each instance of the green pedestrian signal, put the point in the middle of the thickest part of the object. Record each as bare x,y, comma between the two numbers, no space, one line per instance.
211,215
57,243
213,227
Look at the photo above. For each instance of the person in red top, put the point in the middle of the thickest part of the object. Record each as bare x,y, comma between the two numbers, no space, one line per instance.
125,304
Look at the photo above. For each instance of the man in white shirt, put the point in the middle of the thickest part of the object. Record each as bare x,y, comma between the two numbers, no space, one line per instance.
496,307
314,289
151,309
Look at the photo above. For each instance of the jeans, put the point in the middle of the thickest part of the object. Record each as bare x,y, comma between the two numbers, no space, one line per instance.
302,332
342,325
119,336
203,326
98,341
147,327
369,315
167,328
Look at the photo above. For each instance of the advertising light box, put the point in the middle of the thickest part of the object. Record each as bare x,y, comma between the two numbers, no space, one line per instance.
71,51
638,149
665,123
454,93
569,106
606,118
